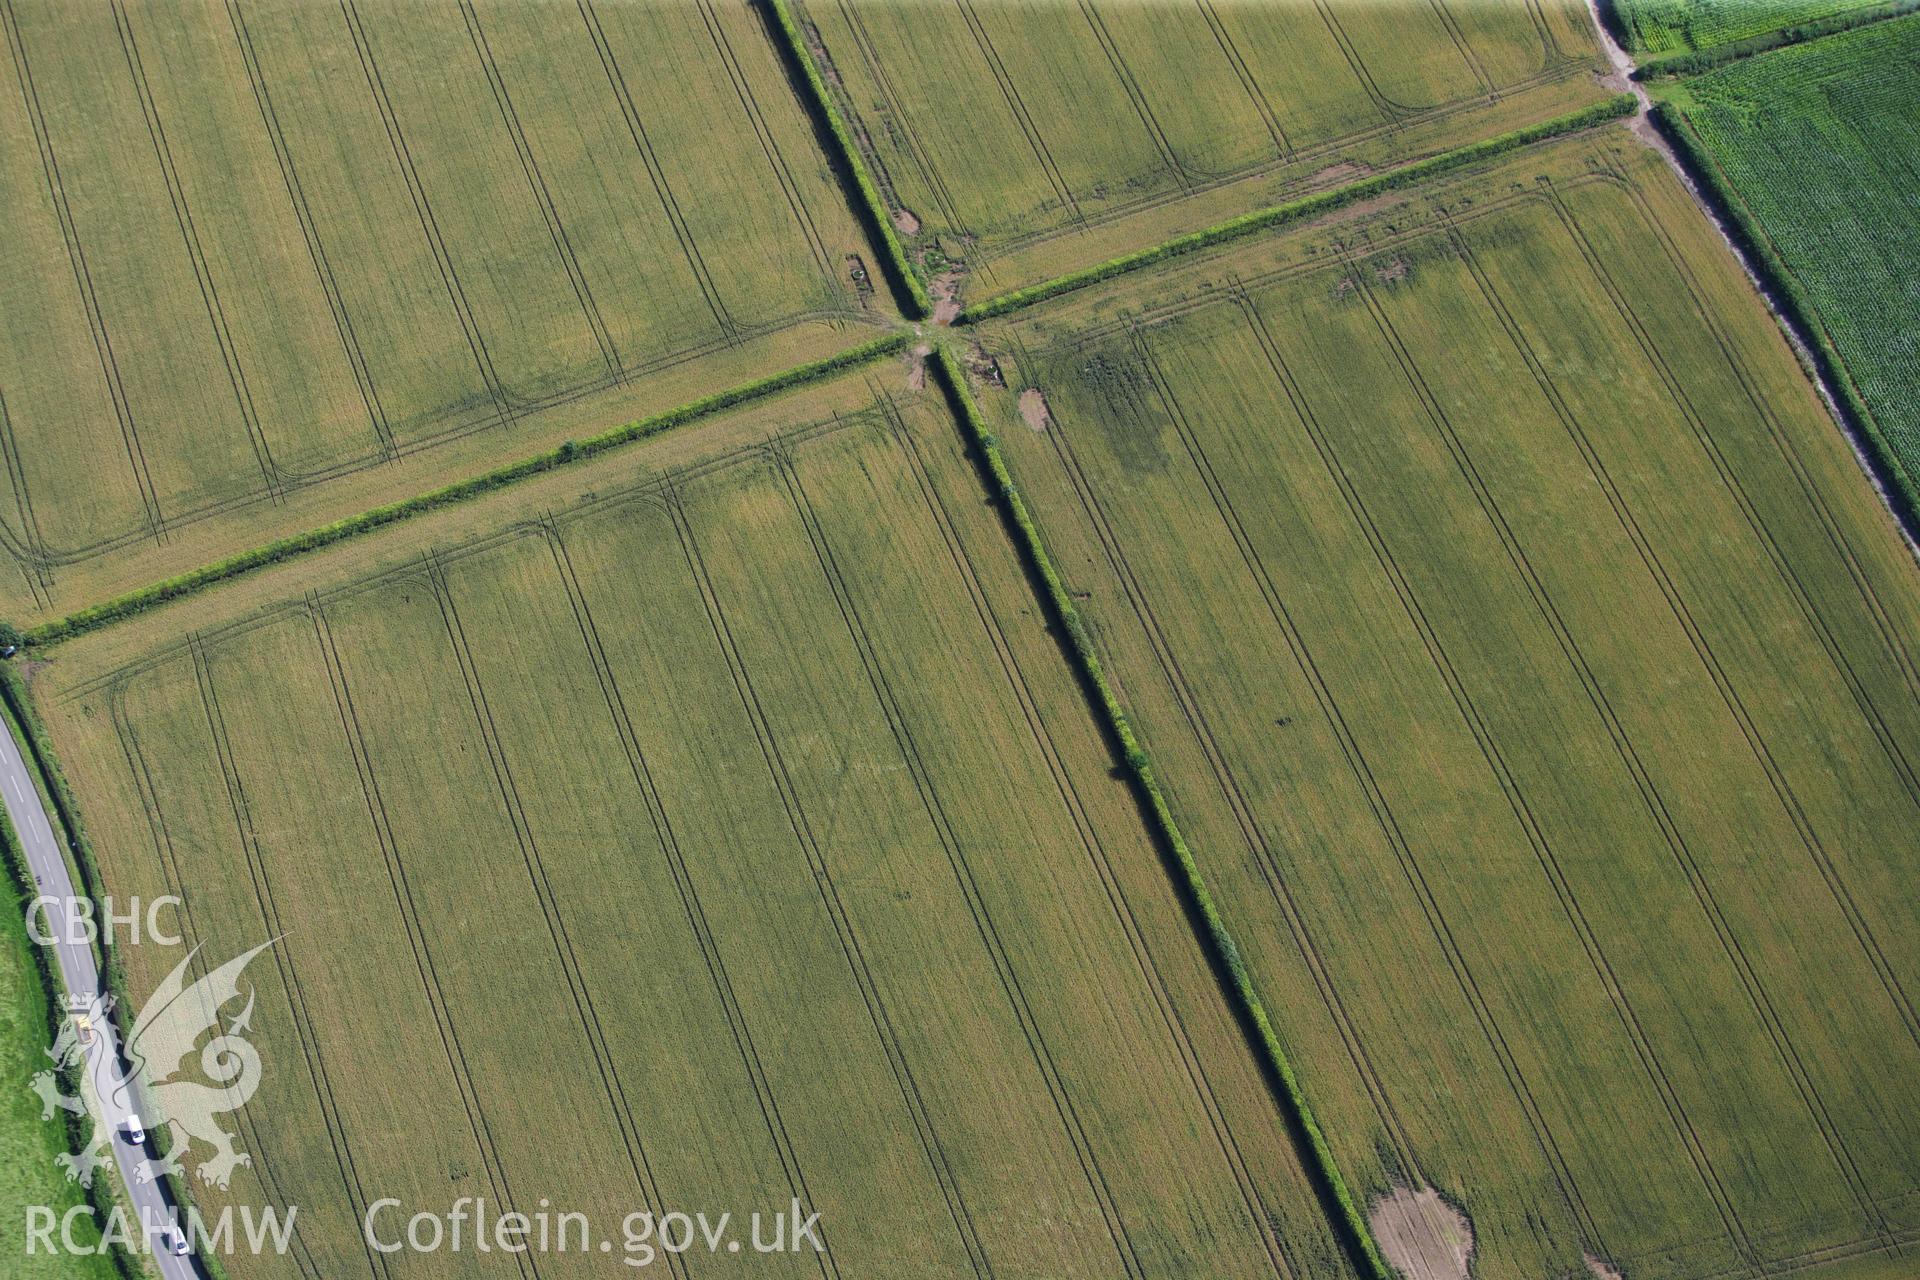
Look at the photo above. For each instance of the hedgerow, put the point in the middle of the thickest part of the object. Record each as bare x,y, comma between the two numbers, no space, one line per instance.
1059,604
1793,299
572,451
1304,207
873,209
1686,64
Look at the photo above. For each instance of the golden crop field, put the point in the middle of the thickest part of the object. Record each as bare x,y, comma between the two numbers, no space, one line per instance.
1533,671
1342,708
1029,139
255,248
758,794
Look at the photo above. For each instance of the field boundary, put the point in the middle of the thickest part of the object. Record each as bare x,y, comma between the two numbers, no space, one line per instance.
93,617
1614,108
103,1195
1797,314
1699,60
871,207
1058,602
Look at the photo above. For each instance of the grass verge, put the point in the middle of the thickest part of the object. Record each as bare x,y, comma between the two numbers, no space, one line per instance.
873,210
1305,207
1058,602
46,1018
96,616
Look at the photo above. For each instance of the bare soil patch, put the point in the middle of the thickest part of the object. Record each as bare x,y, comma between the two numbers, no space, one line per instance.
917,367
905,222
1033,408
1344,172
1422,1235
1602,1271
946,297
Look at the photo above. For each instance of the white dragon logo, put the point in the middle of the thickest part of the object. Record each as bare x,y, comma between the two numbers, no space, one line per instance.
163,1038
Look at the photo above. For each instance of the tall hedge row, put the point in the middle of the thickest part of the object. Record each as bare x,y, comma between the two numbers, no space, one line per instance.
99,615
1059,604
873,208
1304,207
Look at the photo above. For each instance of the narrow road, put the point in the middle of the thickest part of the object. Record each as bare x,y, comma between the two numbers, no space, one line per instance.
81,976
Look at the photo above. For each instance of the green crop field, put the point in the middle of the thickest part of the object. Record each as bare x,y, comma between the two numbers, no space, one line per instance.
255,248
1678,26
1535,676
759,795
1819,146
1025,140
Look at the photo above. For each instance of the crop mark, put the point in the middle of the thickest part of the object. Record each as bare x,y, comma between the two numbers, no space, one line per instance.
196,252
1377,802
684,885
1191,710
310,232
890,95
1783,789
1131,87
637,129
175,882
1255,94
909,749
777,162
1889,632
1016,104
1465,46
404,903
1676,841
1549,612
1068,792
537,188
262,884
423,210
34,566
83,279
849,940
510,801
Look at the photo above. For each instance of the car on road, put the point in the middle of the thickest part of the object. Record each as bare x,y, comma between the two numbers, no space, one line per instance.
135,1131
176,1242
